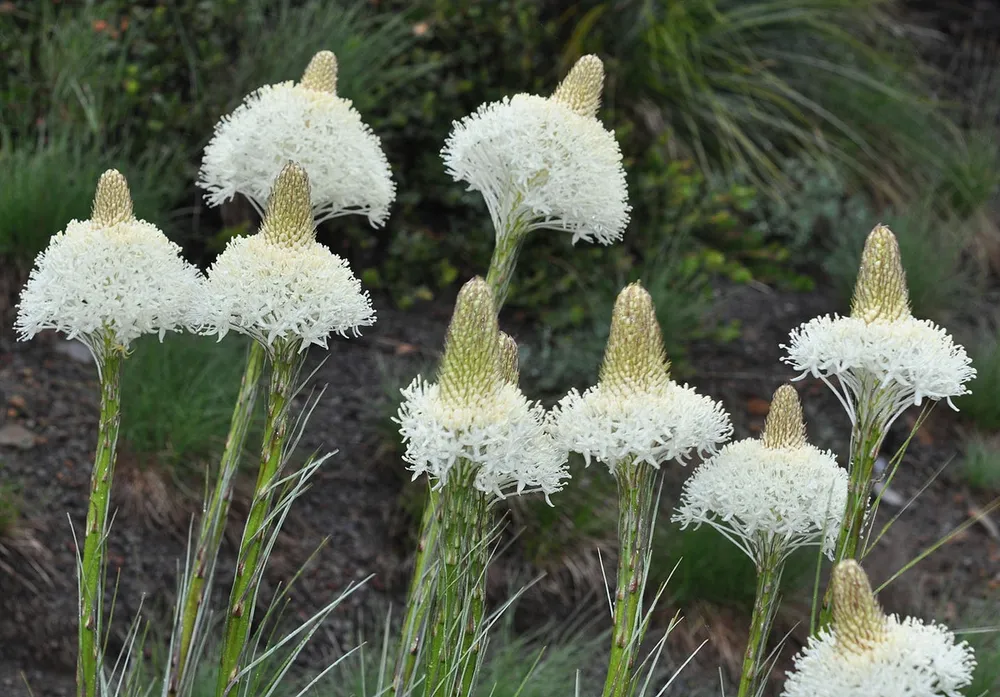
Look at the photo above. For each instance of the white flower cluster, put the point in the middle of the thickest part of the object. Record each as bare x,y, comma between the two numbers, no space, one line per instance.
912,659
545,162
111,278
755,495
475,417
309,124
670,422
271,292
502,437
281,283
914,359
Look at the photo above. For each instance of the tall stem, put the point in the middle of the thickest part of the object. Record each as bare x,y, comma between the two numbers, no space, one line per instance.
242,599
636,511
504,261
214,516
867,435
765,604
91,580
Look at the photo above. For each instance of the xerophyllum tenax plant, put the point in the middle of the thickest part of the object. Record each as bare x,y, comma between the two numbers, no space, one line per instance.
769,497
543,162
878,361
286,291
306,122
634,420
478,439
864,652
105,281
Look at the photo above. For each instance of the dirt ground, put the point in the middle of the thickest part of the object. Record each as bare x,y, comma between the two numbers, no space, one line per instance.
355,504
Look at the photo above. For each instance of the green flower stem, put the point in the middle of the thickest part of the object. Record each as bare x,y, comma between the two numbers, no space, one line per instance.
91,584
452,657
765,604
504,261
419,596
284,369
867,435
213,522
636,511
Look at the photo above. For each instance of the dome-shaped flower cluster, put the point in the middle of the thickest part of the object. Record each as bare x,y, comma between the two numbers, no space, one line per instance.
636,413
777,493
281,283
881,349
545,162
309,124
864,653
475,419
109,279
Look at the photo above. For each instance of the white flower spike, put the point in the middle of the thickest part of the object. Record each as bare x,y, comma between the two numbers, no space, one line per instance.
545,162
774,494
636,413
109,279
306,123
281,283
880,355
474,421
864,653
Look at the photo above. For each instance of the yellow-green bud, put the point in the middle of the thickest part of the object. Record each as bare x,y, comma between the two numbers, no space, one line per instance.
470,367
288,219
508,359
634,359
880,292
857,618
581,89
784,426
321,73
112,201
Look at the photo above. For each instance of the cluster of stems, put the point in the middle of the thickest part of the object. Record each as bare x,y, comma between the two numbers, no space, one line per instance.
215,513
286,360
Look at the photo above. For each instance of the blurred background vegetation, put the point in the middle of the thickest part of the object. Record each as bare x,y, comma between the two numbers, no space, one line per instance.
762,141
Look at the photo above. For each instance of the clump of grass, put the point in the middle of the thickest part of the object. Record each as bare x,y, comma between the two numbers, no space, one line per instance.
982,407
981,465
177,397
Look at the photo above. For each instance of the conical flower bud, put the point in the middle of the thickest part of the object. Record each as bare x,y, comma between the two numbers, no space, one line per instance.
634,358
321,73
508,359
784,426
288,220
581,89
857,618
112,202
470,367
880,292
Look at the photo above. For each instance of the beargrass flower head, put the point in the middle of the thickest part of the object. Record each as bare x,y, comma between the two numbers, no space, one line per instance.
110,279
880,356
305,122
636,413
865,653
474,421
281,284
545,162
773,494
